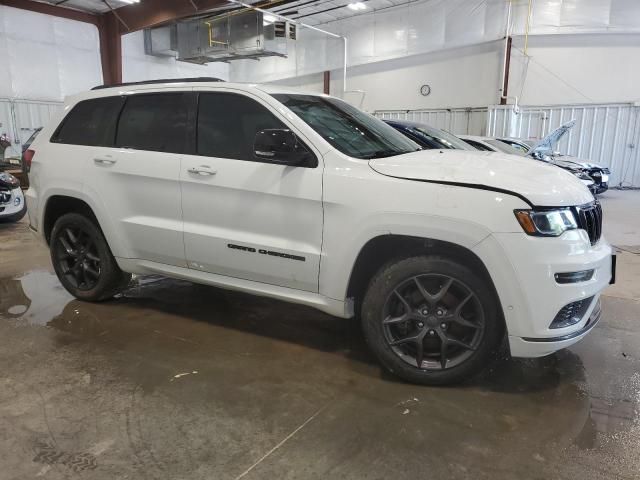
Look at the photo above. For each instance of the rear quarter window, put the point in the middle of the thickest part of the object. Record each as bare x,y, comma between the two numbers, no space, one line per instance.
90,122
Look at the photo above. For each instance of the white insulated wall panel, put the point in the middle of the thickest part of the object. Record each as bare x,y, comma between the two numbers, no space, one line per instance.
46,58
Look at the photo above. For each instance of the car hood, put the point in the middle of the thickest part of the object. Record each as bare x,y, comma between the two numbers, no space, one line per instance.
545,146
539,183
567,161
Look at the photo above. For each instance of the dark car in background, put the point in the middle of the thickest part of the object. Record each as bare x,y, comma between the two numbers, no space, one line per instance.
428,137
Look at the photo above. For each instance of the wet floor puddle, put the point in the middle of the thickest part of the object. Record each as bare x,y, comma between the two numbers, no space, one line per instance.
194,329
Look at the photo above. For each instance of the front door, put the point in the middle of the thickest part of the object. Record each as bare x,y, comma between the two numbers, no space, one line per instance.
245,217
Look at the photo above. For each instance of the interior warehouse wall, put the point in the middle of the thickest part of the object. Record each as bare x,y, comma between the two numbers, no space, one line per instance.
579,52
45,57
460,77
567,69
136,66
559,70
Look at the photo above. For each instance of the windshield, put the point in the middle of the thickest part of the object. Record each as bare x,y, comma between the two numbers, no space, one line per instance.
443,139
503,147
346,128
518,145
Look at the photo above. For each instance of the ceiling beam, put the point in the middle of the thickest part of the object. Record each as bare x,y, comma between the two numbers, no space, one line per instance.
49,9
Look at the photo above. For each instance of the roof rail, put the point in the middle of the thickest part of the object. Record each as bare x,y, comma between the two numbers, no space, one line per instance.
161,80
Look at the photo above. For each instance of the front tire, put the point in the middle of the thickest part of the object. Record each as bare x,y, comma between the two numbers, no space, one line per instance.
83,261
431,320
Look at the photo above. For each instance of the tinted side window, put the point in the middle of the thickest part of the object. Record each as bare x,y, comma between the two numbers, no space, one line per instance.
228,123
90,122
155,121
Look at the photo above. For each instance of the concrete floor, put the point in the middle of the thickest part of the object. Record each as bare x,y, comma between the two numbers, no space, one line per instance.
180,381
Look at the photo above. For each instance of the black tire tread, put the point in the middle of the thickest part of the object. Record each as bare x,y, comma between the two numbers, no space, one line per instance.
112,279
387,277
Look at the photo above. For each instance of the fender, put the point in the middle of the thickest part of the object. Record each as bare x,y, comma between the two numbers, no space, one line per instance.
336,269
99,210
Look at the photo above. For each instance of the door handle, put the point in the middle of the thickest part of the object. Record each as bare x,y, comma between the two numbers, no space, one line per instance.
104,160
202,170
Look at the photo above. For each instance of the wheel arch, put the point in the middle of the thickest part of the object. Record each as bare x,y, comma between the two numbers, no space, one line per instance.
382,249
58,205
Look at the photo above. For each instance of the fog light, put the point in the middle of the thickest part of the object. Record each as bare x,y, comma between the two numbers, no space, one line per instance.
16,202
574,277
571,314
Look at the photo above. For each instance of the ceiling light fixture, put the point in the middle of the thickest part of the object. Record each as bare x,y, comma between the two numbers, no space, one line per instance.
357,6
130,1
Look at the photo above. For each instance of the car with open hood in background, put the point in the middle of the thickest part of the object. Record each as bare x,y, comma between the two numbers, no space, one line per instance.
545,150
12,204
429,137
491,144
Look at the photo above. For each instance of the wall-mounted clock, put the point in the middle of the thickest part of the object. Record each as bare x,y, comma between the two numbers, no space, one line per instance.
425,90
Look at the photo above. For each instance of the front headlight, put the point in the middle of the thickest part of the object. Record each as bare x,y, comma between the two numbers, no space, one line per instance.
546,223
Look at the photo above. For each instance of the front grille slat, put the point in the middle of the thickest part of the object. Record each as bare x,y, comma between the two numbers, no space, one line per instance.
5,196
589,218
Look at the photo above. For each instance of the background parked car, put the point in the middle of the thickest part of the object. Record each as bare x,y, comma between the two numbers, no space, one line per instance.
22,175
489,144
496,145
12,203
428,137
523,145
544,150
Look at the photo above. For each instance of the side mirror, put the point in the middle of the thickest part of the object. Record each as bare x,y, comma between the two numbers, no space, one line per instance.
280,145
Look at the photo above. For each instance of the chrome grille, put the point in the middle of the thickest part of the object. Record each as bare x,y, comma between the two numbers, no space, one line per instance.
589,218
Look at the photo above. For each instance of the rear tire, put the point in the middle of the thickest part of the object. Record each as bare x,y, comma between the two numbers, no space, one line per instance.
83,261
431,320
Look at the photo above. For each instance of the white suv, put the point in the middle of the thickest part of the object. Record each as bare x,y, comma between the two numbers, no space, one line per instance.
304,198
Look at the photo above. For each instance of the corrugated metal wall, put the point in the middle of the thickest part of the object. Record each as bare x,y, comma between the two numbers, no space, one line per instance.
461,121
605,134
19,118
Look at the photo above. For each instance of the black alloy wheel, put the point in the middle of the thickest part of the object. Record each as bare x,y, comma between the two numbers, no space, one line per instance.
78,257
433,321
83,260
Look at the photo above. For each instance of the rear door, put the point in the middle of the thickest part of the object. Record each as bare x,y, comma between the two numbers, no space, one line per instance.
244,216
136,181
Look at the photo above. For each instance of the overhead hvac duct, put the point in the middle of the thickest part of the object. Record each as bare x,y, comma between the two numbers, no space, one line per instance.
161,41
222,38
248,34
